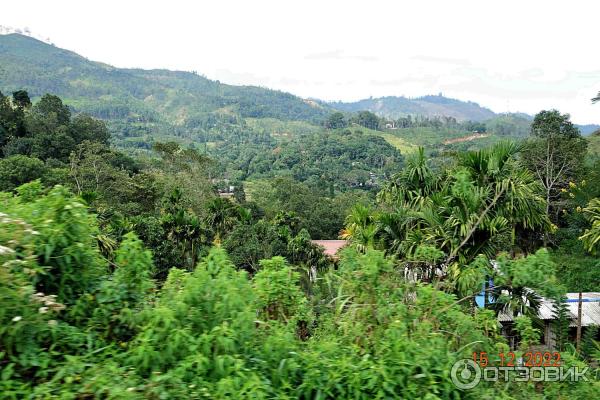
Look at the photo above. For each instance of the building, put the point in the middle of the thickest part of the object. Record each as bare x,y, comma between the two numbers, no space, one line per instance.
331,247
590,316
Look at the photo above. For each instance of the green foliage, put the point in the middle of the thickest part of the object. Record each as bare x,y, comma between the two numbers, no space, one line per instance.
468,210
553,123
528,334
554,154
577,269
367,332
591,237
510,125
367,119
46,130
342,159
278,294
520,283
19,169
65,245
336,121
168,99
395,107
561,322
199,323
247,244
589,345
89,309
24,316
322,216
110,309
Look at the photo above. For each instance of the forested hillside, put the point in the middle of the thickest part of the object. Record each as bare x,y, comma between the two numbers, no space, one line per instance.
143,106
150,96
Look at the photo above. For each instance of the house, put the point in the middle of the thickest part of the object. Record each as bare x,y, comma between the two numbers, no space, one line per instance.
590,316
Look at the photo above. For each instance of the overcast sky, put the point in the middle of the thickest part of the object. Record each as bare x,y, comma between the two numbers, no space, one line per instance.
506,55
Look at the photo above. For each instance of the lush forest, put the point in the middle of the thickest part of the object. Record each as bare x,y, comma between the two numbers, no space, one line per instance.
189,271
157,239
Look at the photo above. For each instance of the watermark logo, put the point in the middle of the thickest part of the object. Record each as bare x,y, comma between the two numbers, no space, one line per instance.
466,374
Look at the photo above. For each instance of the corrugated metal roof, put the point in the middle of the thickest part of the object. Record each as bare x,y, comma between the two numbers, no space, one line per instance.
546,310
589,296
590,309
590,313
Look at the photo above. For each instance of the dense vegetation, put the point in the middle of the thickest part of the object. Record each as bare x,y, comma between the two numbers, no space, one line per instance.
156,227
133,278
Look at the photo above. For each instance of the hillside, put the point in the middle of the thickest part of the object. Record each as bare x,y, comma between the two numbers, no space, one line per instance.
430,106
142,106
394,107
150,96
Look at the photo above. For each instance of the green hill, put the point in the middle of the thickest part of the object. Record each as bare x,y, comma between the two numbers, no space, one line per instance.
150,96
430,106
142,106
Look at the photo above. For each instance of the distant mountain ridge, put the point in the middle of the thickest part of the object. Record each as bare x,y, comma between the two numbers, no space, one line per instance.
399,106
395,107
185,100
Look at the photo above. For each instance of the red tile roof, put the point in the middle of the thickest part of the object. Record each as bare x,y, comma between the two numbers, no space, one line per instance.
331,247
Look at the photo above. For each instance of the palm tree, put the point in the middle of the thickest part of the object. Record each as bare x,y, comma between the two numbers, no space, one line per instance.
591,237
360,228
222,216
464,213
516,301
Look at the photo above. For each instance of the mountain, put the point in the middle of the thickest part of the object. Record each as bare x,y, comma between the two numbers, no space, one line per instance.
588,129
151,96
431,106
140,105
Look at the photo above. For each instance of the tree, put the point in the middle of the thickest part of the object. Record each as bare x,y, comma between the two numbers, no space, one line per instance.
45,130
83,127
65,244
91,171
52,107
465,211
561,322
555,155
222,216
21,99
359,228
336,121
247,244
591,237
12,124
19,169
367,119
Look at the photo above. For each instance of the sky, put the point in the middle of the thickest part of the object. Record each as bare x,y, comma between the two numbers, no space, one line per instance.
515,56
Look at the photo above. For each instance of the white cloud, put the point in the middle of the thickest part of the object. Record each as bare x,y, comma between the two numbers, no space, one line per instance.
525,55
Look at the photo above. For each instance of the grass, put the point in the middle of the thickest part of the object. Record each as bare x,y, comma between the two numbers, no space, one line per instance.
401,144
